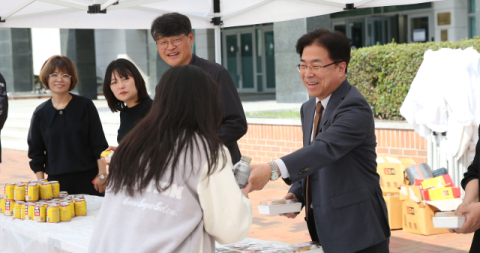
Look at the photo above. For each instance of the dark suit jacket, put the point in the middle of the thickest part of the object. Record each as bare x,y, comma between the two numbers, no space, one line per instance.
234,124
348,206
3,107
473,172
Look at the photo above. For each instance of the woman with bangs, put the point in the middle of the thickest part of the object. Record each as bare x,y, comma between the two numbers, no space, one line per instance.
171,183
125,91
66,137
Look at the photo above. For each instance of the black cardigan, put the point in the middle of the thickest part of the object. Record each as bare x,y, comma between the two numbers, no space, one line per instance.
234,124
473,172
67,140
129,117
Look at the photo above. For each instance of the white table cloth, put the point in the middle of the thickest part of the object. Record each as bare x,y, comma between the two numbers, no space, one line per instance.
73,236
29,236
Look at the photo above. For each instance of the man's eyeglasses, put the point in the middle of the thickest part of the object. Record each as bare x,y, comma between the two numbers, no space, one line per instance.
314,69
64,76
175,42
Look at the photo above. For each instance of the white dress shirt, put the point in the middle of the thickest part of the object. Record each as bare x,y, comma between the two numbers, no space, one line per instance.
279,162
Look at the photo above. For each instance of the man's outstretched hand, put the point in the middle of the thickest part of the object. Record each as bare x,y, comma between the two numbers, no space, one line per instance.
259,176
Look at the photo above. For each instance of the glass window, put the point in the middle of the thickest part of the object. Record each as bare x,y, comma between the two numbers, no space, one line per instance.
419,28
472,32
471,6
341,28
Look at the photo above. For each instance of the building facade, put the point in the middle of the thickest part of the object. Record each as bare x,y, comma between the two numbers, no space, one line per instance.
260,58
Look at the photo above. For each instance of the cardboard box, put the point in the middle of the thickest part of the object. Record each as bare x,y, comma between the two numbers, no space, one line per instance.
418,218
411,192
442,193
394,207
437,182
407,162
391,174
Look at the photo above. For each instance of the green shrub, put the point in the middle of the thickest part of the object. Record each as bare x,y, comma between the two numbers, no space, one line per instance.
383,74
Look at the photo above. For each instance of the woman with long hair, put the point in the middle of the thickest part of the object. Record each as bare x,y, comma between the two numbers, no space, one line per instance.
125,92
171,182
66,137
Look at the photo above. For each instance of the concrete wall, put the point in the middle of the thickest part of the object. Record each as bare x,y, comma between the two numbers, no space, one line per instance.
129,44
289,86
477,16
79,46
458,28
16,63
156,65
205,44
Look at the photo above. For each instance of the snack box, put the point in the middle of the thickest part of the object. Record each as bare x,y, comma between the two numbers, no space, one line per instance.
278,206
448,220
442,193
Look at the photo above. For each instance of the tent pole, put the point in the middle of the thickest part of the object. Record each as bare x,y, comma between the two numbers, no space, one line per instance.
218,46
217,22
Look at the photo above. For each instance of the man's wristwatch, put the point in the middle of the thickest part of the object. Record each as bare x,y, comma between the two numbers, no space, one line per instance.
102,177
274,175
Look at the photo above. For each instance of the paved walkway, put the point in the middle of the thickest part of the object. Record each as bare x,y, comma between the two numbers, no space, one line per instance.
15,168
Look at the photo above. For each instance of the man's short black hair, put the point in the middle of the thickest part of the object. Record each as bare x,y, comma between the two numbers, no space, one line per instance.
336,43
170,24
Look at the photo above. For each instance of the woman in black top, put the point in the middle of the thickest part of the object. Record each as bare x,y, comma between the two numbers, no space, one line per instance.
125,91
471,204
66,137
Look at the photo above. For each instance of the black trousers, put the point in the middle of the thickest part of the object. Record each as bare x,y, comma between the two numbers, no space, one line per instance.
475,248
77,182
378,248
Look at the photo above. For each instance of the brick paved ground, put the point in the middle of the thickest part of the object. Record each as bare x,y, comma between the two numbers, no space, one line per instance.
14,168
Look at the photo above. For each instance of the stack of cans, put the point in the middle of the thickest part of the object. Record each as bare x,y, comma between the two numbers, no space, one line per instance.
41,201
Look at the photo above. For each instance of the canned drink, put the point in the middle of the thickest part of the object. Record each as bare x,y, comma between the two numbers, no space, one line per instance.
23,209
53,213
65,214
46,191
106,156
9,191
63,194
31,192
19,192
241,170
9,206
55,188
2,205
39,212
17,210
79,197
71,205
29,211
80,207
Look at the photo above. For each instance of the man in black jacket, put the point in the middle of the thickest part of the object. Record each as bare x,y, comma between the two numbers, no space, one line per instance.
174,37
3,107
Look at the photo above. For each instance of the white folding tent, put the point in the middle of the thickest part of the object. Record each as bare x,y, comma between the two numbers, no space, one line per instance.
138,14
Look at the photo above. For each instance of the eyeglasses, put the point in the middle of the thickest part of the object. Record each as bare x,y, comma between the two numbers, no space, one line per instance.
314,69
64,76
175,42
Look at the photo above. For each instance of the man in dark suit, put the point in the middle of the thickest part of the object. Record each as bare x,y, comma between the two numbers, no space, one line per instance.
334,174
174,37
3,106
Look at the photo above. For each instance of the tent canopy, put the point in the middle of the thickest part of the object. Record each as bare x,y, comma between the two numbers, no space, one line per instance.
138,14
